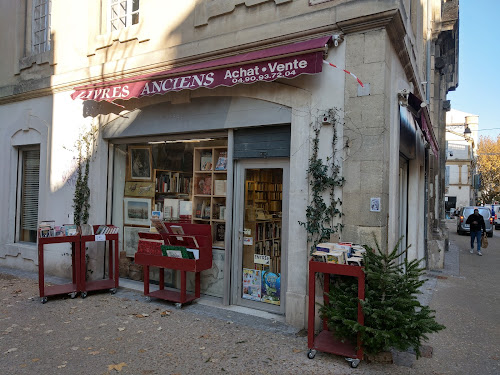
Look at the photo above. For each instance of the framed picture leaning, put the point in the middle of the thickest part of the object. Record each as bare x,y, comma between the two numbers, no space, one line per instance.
137,211
140,163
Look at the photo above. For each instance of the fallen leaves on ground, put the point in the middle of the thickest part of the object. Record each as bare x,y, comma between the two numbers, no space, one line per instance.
117,367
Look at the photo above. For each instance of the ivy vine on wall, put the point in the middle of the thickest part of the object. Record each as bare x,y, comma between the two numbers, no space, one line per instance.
324,179
81,199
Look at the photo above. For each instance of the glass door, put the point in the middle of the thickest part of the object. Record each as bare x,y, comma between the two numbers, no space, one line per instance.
260,242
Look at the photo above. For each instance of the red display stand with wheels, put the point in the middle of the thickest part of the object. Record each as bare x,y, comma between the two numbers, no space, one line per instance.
203,235
326,341
111,282
70,288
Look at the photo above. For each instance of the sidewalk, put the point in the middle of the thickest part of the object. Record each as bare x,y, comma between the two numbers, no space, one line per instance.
122,333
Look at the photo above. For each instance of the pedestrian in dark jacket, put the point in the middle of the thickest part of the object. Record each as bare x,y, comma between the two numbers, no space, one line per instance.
476,223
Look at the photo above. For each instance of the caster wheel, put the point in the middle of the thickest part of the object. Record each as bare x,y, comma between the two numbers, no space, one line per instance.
84,294
113,290
72,295
353,362
311,354
43,300
178,305
148,299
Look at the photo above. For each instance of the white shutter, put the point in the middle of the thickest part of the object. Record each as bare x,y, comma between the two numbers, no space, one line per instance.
31,172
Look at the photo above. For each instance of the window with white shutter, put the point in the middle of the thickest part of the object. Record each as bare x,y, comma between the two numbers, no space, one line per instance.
28,204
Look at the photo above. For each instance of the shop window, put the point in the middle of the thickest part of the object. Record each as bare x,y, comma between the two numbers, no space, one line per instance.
28,182
40,28
122,14
179,181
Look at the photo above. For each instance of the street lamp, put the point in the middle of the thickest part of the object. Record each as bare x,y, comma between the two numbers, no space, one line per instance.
467,131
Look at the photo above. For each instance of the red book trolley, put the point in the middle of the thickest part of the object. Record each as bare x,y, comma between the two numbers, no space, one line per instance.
202,233
111,282
326,341
70,288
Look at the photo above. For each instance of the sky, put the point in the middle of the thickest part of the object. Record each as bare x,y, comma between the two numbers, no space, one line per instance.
479,64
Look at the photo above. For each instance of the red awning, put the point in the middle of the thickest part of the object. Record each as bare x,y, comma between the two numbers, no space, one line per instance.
286,61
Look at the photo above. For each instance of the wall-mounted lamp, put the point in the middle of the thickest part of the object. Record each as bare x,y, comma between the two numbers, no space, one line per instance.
467,131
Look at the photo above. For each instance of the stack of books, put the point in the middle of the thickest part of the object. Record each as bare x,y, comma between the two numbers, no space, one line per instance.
107,229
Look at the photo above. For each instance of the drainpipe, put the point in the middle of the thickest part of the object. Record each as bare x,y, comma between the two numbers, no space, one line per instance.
429,36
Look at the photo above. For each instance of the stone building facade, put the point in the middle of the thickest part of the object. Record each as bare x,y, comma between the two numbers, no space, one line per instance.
371,76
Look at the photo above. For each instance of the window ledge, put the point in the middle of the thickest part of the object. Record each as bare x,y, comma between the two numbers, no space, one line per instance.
107,40
38,59
26,250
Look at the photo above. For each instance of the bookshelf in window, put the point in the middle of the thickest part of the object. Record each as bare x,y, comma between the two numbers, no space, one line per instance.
209,190
172,193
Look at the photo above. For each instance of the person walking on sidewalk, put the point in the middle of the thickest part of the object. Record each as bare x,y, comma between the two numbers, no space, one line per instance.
476,223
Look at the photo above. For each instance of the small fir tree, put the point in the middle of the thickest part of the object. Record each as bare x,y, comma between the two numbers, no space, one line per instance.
393,317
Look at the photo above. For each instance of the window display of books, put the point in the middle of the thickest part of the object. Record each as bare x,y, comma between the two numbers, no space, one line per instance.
210,189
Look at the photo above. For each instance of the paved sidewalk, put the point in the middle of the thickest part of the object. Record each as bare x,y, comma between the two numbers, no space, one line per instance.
122,333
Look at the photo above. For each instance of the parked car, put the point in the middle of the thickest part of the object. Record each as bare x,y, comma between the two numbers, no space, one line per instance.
496,217
465,212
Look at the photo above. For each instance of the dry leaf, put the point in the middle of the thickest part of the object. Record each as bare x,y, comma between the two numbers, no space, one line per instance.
94,353
297,350
121,328
35,359
142,351
117,367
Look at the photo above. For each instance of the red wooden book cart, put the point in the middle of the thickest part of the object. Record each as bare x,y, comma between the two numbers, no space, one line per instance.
326,341
70,288
111,282
149,257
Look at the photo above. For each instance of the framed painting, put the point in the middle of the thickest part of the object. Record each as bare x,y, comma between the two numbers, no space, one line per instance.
131,239
140,163
139,189
137,211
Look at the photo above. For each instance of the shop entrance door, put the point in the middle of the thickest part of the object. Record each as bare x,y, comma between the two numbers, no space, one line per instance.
260,227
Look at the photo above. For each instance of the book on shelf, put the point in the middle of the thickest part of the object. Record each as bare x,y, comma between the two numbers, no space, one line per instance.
221,161
220,187
222,213
185,208
206,160
46,228
86,230
220,232
59,231
170,208
105,229
70,229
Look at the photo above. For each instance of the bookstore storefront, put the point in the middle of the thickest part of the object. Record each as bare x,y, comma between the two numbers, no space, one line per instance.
223,157
235,180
